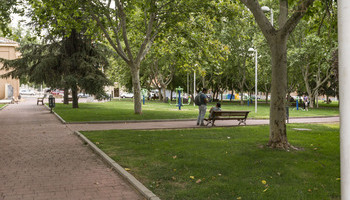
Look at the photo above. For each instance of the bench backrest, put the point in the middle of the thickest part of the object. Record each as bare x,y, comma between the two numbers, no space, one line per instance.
231,113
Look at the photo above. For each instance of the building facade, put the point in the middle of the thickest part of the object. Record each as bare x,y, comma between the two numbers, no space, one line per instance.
9,87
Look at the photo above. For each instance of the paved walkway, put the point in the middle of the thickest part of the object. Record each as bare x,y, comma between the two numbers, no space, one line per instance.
187,124
40,158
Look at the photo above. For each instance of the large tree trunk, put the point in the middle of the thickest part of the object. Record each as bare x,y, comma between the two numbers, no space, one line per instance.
277,40
135,73
278,133
75,97
65,96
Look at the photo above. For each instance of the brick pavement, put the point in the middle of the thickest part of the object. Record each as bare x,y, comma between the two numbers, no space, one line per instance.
40,158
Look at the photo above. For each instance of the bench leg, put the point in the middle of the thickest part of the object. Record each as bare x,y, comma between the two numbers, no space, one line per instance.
242,121
208,122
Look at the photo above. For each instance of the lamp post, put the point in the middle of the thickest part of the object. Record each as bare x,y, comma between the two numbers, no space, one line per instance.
256,78
267,9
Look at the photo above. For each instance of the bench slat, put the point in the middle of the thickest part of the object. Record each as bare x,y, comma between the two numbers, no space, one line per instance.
229,115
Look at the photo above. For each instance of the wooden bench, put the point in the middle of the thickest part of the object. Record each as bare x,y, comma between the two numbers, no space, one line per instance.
241,116
40,99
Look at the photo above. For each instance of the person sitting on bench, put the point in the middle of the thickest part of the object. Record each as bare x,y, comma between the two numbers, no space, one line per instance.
212,109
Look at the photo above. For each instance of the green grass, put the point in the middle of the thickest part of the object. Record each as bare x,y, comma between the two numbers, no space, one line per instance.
231,163
2,105
124,110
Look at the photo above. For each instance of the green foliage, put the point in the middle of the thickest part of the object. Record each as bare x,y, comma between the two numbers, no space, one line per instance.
67,63
7,7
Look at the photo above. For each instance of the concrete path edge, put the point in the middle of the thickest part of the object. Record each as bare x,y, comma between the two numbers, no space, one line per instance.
130,178
4,107
59,117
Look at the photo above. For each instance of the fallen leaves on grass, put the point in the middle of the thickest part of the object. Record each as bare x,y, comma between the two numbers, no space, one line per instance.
198,181
191,177
127,169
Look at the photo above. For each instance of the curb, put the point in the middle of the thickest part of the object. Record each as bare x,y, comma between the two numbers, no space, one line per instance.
4,107
130,178
59,117
128,121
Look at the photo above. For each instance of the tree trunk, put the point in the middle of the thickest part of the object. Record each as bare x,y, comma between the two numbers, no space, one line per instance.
164,93
278,132
267,98
75,97
65,96
135,73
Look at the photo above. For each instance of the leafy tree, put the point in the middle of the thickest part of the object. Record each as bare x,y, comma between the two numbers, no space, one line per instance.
277,40
7,7
69,63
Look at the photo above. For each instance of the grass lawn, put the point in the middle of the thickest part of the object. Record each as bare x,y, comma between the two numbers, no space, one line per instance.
229,163
2,105
124,110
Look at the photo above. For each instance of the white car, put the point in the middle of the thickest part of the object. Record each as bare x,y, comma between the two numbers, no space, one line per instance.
127,95
83,95
26,92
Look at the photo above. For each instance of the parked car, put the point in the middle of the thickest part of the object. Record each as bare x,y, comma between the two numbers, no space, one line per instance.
127,95
83,95
57,92
26,92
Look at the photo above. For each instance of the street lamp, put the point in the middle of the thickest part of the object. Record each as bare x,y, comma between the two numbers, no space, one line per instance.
256,78
267,9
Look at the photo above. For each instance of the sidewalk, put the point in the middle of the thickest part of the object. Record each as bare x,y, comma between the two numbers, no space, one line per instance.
42,159
187,124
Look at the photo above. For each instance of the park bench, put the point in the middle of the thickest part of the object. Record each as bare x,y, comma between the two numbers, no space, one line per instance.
41,99
241,116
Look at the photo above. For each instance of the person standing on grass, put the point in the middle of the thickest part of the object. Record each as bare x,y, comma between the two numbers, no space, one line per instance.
202,107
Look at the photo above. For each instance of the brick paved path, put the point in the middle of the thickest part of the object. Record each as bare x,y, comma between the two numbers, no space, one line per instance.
40,158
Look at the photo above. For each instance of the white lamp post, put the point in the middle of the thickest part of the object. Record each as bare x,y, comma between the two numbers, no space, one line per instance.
267,9
256,78
344,81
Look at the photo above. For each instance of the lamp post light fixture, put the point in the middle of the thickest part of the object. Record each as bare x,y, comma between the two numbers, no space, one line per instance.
256,78
267,9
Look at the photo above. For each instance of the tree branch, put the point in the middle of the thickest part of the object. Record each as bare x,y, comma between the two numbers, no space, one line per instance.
147,42
122,17
299,12
117,49
267,29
